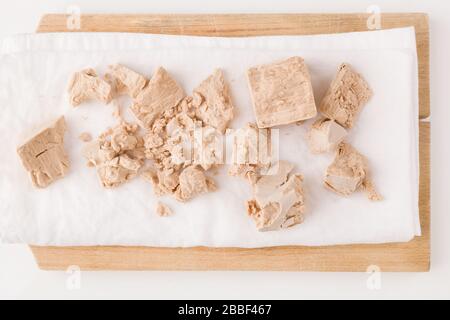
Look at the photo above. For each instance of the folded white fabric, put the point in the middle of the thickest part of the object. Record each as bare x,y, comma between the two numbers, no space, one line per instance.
35,70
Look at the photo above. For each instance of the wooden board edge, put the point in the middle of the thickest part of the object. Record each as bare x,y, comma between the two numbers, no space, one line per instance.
423,53
57,22
342,259
425,187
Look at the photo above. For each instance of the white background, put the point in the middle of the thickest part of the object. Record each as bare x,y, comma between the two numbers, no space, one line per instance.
20,277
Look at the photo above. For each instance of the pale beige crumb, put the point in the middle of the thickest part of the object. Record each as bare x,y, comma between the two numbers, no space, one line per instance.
281,92
44,156
85,137
346,96
87,85
163,210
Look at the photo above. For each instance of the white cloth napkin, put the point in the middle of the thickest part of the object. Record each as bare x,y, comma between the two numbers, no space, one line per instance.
35,70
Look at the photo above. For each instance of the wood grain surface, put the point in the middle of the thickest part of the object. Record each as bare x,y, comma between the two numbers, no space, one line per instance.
413,256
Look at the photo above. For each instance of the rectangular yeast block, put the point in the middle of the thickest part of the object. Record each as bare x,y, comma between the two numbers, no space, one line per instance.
44,157
281,92
347,95
161,93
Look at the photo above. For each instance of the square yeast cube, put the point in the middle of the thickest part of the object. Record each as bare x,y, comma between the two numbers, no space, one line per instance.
281,92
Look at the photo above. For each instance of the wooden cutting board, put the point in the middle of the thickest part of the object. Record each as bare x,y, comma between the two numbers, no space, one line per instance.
411,256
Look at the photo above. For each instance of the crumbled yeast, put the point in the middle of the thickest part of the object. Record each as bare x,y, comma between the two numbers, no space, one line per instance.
212,102
163,210
125,81
169,145
251,152
87,85
349,172
278,201
161,93
183,139
118,154
193,182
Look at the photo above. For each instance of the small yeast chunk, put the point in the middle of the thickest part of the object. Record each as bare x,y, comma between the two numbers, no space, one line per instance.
87,85
44,157
325,135
349,172
161,93
346,96
213,102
